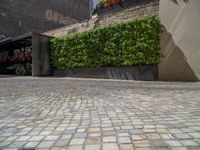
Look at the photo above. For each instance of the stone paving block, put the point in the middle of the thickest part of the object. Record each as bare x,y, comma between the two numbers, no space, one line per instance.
138,137
179,148
187,130
45,133
197,140
110,146
95,134
10,134
75,147
197,128
153,136
93,140
2,138
10,149
126,147
46,144
127,127
12,138
173,143
109,133
142,144
108,129
167,136
124,140
33,133
70,132
51,138
80,135
149,126
109,139
75,113
36,138
143,149
58,148
149,130
175,131
23,138
66,137
195,134
17,144
77,141
123,134
189,143
5,143
161,130
61,143
182,136
94,130
159,144
92,147
81,130
31,145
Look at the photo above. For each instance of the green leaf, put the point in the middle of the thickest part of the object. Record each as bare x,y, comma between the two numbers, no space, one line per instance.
134,42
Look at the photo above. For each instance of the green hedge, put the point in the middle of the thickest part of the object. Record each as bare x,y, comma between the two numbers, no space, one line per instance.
132,43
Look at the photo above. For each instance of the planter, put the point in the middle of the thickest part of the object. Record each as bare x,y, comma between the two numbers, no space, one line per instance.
143,73
107,8
121,4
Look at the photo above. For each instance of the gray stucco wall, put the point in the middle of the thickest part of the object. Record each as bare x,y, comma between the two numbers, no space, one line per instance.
22,16
180,40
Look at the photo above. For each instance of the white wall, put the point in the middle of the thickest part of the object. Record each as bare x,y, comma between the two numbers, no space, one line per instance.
180,42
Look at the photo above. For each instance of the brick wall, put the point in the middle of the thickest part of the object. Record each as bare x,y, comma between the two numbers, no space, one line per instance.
22,16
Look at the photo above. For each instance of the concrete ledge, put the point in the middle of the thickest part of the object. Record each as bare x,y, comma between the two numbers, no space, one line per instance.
143,73
127,4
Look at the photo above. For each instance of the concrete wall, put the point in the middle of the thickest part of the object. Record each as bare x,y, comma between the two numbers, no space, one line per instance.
22,16
40,55
180,40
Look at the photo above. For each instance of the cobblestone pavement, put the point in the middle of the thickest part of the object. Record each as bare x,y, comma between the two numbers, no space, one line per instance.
73,114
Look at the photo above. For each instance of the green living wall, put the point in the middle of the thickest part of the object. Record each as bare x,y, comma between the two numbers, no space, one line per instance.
132,43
